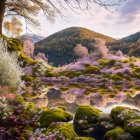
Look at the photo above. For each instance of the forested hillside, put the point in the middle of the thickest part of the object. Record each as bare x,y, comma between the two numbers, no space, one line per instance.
59,47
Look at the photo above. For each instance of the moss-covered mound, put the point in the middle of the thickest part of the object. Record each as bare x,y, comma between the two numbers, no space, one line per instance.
50,116
128,118
92,121
16,45
84,138
112,134
65,130
87,114
121,115
57,131
133,126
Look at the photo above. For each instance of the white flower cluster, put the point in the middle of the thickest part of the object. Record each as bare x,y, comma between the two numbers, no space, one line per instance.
10,71
4,109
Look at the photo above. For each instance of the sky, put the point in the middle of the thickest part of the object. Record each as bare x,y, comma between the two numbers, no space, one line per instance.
120,21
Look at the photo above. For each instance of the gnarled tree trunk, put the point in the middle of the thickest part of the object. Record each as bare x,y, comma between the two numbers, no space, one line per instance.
2,11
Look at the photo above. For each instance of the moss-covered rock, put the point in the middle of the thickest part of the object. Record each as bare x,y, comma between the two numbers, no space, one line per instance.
133,126
121,115
84,138
91,121
64,131
53,115
87,113
62,107
112,134
16,45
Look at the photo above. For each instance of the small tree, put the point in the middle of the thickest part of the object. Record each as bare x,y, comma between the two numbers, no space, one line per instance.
41,56
100,49
28,48
14,28
80,50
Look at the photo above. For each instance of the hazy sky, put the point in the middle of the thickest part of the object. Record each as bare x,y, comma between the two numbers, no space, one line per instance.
120,22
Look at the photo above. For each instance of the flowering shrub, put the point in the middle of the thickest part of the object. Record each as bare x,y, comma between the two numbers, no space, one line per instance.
5,110
10,71
7,93
58,131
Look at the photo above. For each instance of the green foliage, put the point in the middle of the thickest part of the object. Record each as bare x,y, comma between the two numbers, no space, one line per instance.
136,73
107,75
14,44
28,78
127,61
112,134
137,70
53,115
18,100
132,65
92,69
49,73
133,59
117,67
128,78
70,74
104,62
116,78
26,60
120,74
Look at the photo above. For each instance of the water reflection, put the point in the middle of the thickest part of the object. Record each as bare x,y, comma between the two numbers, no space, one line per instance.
72,97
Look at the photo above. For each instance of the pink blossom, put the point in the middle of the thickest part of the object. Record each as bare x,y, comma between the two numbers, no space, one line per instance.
52,123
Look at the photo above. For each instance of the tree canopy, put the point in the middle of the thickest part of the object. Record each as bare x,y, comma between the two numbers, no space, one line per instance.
29,9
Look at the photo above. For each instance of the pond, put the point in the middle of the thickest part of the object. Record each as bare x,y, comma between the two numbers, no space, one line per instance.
101,96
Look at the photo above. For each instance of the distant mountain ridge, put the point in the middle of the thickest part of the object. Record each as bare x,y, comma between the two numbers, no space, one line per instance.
131,38
59,46
33,38
129,45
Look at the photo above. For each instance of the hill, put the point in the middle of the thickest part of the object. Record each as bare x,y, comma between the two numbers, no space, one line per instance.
59,46
129,45
131,38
